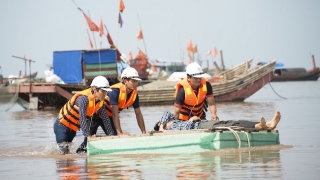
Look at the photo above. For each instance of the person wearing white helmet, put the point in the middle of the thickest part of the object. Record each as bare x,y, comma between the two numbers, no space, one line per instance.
193,94
75,114
123,95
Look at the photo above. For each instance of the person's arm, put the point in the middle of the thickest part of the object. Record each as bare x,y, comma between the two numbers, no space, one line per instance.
140,120
82,102
178,102
114,97
106,121
139,116
212,108
116,120
211,103
176,111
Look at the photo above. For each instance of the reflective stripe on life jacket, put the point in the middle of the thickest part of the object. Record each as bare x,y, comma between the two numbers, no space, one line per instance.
122,100
193,104
69,113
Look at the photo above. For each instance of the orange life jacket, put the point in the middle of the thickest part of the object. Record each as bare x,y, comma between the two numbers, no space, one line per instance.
69,113
122,100
193,104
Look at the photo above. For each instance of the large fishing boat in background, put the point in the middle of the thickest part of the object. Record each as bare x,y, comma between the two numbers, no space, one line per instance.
234,84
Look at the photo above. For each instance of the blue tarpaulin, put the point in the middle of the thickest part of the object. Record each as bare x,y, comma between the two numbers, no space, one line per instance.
278,64
105,56
67,65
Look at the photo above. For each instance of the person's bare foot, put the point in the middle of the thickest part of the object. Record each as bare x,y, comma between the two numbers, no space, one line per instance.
272,124
262,125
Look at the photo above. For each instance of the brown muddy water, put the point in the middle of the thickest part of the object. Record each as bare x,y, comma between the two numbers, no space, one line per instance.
28,149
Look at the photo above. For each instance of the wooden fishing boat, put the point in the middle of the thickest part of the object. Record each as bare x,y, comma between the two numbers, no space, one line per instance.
235,84
296,74
189,141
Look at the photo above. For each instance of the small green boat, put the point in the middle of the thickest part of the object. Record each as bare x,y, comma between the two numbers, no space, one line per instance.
189,141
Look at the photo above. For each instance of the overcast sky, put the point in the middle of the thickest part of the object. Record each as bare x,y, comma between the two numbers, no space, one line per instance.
286,30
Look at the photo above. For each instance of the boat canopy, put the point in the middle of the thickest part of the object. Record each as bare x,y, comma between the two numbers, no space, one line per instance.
289,71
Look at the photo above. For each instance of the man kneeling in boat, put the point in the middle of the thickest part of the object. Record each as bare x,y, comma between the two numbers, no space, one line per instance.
193,94
169,122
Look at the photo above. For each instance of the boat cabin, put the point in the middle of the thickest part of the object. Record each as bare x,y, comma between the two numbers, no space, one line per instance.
289,71
81,66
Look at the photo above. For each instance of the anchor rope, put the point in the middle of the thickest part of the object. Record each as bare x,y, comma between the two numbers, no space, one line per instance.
276,92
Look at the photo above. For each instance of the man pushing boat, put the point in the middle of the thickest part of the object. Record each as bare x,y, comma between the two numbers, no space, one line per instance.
77,111
123,95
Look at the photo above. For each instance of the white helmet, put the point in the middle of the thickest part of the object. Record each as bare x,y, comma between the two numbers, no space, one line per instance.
101,83
130,73
194,70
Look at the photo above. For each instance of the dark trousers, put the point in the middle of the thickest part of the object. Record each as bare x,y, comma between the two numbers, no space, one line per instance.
208,124
240,123
63,134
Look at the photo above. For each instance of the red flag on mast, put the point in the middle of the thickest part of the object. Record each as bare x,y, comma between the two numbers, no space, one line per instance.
190,47
140,35
110,40
92,25
215,52
121,6
91,45
101,28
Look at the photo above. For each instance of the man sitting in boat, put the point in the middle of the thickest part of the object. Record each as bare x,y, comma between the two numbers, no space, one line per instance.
191,94
122,96
76,112
169,122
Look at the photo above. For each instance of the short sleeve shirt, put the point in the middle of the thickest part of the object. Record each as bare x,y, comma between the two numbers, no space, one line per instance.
114,97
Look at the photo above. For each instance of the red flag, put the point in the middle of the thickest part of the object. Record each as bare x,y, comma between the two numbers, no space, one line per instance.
215,52
190,46
121,6
101,28
91,45
140,36
130,56
92,25
110,41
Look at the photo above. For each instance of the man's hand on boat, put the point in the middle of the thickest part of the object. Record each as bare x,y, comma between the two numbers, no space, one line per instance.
214,117
123,134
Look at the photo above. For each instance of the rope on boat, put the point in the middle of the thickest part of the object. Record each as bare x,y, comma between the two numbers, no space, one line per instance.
234,133
276,92
247,138
231,128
